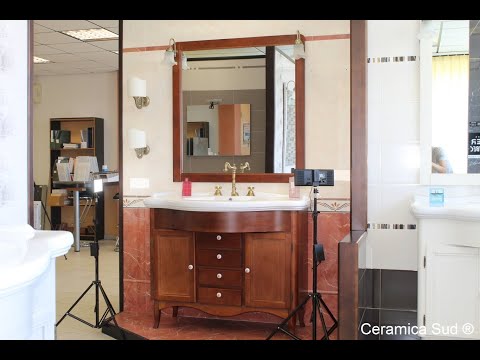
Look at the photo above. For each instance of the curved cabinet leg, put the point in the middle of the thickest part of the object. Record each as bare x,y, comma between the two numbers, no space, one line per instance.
301,316
291,323
156,315
175,311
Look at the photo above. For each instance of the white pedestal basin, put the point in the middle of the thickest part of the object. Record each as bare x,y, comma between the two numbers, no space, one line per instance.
448,268
27,283
210,203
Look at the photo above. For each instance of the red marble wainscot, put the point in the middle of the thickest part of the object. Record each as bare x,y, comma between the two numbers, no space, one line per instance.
136,260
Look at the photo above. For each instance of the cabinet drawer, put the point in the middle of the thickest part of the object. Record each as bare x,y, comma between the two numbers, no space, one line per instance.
218,241
219,296
220,277
220,258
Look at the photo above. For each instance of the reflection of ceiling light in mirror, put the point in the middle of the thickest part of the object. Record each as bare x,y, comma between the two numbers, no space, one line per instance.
116,51
184,62
298,48
39,60
91,34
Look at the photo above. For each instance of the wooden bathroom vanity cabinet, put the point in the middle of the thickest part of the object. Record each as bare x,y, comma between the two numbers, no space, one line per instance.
226,263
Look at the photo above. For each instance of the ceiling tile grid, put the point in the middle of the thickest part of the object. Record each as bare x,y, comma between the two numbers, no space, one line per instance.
68,55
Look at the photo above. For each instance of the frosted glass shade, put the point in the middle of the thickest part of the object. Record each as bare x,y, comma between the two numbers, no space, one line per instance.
299,51
137,87
137,139
169,58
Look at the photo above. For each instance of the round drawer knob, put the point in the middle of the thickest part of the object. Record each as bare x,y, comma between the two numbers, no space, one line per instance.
190,267
219,256
219,295
219,237
219,276
247,270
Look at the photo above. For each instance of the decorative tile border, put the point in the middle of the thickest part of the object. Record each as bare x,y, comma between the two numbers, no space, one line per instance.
134,201
332,205
377,226
387,59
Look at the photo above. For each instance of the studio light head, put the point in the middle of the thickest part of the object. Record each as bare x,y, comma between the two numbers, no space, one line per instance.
313,177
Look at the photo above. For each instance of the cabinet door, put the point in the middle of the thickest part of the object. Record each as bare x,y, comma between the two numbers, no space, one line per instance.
267,270
173,273
453,283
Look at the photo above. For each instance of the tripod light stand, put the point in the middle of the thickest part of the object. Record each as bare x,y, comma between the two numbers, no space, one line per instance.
99,321
317,302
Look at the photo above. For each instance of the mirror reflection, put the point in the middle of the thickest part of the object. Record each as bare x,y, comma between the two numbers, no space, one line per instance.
206,122
455,96
231,112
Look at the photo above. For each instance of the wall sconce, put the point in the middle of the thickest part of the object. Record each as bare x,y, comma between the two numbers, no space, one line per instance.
184,62
137,88
137,140
170,53
298,48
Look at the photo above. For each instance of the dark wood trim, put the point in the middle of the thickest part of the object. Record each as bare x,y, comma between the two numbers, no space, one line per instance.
30,181
120,162
238,42
358,125
241,178
269,108
348,254
227,58
221,222
177,120
178,175
300,113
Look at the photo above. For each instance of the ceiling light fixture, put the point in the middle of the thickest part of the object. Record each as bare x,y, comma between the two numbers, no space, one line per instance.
91,34
39,60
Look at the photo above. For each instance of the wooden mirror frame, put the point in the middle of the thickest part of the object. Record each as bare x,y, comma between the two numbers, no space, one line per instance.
178,174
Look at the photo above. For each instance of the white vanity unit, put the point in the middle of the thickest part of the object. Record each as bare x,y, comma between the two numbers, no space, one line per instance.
449,268
27,281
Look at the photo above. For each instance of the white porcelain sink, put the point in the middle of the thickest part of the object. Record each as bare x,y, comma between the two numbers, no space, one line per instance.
208,202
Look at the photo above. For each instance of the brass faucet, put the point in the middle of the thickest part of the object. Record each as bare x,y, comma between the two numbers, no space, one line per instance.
244,166
234,172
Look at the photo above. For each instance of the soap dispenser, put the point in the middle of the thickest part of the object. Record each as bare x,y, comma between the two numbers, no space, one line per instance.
186,187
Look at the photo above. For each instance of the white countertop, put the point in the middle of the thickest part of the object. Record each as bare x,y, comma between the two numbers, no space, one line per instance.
25,254
210,203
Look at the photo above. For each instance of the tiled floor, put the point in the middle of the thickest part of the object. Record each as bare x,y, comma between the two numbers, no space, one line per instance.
73,277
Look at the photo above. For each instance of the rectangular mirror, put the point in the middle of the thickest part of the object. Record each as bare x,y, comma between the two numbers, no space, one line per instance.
449,83
238,100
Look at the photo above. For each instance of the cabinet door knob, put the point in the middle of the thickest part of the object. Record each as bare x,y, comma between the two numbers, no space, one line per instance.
219,295
219,256
219,237
190,267
219,276
247,270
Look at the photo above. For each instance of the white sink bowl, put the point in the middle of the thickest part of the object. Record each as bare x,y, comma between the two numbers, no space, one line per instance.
208,202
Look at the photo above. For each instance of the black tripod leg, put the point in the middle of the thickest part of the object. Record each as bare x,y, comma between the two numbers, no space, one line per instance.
322,319
112,311
74,304
282,324
329,312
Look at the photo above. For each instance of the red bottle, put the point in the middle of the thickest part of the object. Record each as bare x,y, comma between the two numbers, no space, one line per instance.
186,188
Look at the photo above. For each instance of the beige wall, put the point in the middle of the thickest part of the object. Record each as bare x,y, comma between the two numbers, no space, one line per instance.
327,97
76,96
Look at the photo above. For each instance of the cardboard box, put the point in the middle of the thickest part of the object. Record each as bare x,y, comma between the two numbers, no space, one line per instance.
58,200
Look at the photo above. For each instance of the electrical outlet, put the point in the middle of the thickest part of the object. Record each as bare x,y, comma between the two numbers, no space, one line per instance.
139,183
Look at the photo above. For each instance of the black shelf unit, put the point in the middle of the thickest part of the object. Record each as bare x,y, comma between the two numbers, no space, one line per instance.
74,125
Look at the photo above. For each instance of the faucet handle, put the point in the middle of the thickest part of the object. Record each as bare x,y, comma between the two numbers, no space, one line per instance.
218,190
250,191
